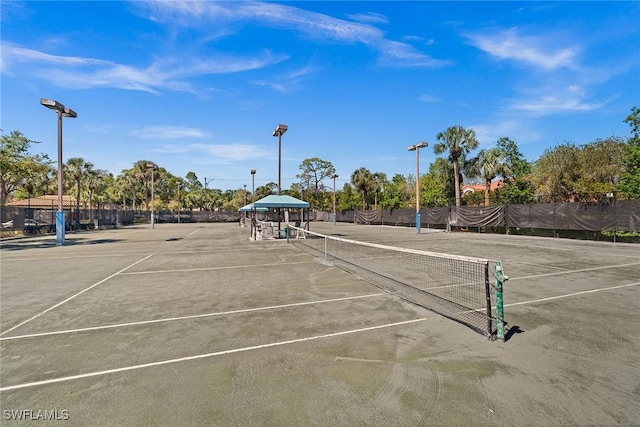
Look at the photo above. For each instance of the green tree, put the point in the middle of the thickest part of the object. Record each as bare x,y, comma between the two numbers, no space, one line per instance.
458,142
573,173
517,185
347,199
433,185
396,193
555,173
630,177
313,172
77,169
17,166
192,182
600,168
488,164
96,183
141,175
379,180
266,190
362,180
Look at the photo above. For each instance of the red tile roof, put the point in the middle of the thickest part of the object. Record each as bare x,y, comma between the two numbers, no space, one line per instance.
46,202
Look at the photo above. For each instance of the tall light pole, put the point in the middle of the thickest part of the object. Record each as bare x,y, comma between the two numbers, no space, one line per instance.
334,176
253,185
253,200
178,203
152,166
416,148
280,130
62,112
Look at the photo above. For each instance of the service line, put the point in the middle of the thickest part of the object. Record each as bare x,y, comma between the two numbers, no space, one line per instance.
194,316
75,295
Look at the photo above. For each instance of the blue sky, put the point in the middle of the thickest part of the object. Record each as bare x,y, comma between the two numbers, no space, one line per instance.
200,86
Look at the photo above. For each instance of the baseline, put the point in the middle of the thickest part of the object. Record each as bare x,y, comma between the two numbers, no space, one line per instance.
208,355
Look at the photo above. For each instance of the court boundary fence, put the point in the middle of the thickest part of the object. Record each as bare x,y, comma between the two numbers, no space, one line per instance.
614,216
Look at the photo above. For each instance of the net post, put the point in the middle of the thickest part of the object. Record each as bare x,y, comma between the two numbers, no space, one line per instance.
500,279
287,232
325,247
487,294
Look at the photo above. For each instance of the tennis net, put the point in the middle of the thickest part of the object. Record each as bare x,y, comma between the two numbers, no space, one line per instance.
454,286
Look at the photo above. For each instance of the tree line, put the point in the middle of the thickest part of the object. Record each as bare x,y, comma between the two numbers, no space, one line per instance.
568,172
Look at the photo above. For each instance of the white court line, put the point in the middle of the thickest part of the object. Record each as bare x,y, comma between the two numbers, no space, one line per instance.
102,255
532,301
226,267
75,295
195,316
557,273
206,355
572,294
193,232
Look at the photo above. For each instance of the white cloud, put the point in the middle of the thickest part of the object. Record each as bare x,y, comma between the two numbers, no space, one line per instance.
169,132
167,73
279,87
539,51
218,153
398,54
552,104
516,129
370,17
310,24
425,97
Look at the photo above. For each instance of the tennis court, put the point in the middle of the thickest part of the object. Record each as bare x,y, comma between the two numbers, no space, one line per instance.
197,324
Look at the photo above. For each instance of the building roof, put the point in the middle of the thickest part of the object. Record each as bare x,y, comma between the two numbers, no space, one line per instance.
250,208
284,201
474,188
44,202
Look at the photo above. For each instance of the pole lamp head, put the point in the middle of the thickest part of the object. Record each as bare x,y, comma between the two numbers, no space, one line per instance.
280,130
56,106
417,146
253,171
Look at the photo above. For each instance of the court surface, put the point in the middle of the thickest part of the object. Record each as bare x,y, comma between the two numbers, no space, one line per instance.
196,324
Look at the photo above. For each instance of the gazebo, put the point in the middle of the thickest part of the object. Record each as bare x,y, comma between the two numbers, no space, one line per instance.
251,208
283,201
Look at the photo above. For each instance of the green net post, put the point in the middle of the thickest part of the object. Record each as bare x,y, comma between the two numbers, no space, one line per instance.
500,279
286,233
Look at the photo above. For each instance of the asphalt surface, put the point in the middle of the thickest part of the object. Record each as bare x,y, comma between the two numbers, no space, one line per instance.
196,324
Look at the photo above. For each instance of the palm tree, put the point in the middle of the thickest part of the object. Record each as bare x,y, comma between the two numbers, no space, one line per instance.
379,178
78,169
95,180
141,173
458,141
487,165
362,179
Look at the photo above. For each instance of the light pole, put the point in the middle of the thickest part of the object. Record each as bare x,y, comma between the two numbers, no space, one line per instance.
178,203
417,148
152,166
62,112
334,176
280,130
253,200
